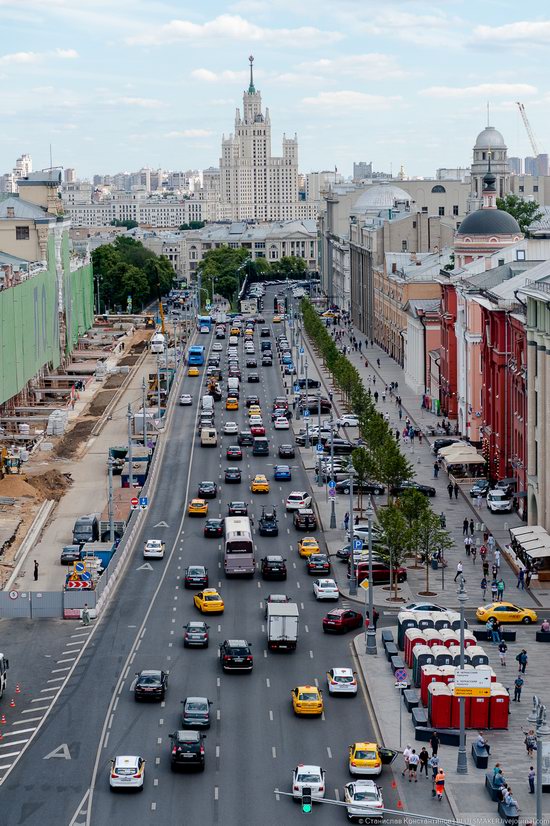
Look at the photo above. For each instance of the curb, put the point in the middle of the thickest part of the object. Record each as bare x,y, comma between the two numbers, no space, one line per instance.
36,528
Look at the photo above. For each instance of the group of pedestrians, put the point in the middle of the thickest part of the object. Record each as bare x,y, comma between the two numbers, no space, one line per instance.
416,763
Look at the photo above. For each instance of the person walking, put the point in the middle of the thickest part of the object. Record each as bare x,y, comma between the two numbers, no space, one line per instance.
531,779
436,470
528,578
346,521
406,754
465,527
36,566
521,660
376,396
433,763
424,757
474,552
472,526
414,760
494,571
521,579
485,567
468,545
494,590
518,685
85,615
378,362
459,569
440,784
502,649
483,586
434,743
384,396
497,557
491,543
450,490
500,589
530,742
495,635
456,489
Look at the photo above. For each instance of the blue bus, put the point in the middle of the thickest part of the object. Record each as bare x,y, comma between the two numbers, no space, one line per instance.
196,354
204,321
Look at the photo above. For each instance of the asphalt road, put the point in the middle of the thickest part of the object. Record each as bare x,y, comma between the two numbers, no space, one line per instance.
255,741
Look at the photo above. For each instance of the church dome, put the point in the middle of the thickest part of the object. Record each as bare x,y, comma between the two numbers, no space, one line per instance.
490,138
489,222
381,196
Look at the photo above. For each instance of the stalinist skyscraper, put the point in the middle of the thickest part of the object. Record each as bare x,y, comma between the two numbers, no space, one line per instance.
254,184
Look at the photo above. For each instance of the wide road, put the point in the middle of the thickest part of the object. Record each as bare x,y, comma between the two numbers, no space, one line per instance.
255,740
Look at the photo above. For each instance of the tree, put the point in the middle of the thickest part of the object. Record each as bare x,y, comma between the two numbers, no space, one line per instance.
525,212
289,266
413,505
361,466
430,538
128,223
396,537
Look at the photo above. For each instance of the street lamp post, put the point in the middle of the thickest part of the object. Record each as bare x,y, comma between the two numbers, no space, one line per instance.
353,577
370,641
538,718
333,495
462,761
319,482
158,388
307,408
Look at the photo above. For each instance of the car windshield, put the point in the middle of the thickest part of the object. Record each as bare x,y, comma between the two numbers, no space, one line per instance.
149,679
307,695
308,778
196,571
361,754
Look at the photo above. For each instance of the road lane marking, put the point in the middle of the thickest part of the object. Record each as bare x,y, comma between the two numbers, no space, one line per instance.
316,682
70,660
329,752
44,690
306,629
298,585
337,794
218,714
267,682
111,721
16,734
54,680
265,652
156,781
216,793
29,719
217,751
311,654
11,754
116,703
270,715
58,670
273,751
153,806
157,761
40,708
159,741
106,740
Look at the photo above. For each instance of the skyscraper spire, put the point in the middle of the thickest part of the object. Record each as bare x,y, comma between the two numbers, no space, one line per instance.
251,89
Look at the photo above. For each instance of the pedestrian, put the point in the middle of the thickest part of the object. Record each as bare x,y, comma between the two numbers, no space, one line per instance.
545,626
419,437
459,569
440,784
450,490
530,742
434,743
472,527
495,633
397,435
346,521
497,557
467,545
436,470
518,685
479,502
531,779
433,763
500,589
384,396
406,754
378,362
474,553
376,396
521,579
424,757
521,660
456,489
400,413
494,571
483,586
528,578
465,527
502,649
491,544
483,554
85,615
414,760
494,589
375,617
35,570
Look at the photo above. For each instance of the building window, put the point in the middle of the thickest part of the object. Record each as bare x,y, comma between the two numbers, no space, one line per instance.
403,246
501,262
520,255
535,188
22,233
522,189
438,188
441,210
425,210
455,209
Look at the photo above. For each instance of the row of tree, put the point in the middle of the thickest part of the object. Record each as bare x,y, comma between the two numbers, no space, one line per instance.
411,528
130,274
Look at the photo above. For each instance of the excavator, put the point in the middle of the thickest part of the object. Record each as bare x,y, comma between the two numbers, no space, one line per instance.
9,463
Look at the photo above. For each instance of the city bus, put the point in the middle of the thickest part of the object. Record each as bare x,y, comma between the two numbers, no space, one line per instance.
238,558
196,354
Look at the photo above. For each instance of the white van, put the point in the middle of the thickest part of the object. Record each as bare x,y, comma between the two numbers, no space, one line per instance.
207,403
157,343
209,437
233,383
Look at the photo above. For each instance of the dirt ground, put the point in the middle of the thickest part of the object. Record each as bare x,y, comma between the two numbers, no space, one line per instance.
69,444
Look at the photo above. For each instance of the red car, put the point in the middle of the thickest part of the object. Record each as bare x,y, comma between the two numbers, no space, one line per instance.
341,620
234,452
281,402
380,572
257,430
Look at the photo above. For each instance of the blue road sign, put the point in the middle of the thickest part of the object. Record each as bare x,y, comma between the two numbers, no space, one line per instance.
296,388
86,576
79,566
332,493
306,414
143,502
357,545
319,449
301,351
332,484
400,675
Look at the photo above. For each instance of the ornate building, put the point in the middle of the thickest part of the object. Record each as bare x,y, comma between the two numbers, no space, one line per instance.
489,144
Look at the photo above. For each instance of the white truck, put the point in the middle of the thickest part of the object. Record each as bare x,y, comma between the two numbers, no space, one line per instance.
233,383
4,665
282,626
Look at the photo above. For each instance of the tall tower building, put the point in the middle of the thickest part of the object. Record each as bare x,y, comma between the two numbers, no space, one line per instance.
489,144
254,184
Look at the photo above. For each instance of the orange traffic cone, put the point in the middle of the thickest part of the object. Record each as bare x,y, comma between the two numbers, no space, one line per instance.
17,689
3,718
12,703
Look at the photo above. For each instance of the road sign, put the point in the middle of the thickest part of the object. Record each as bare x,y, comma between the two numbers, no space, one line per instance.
332,493
364,585
134,503
14,594
79,566
78,585
143,502
472,683
86,576
332,484
357,544
306,414
301,351
400,675
401,685
319,448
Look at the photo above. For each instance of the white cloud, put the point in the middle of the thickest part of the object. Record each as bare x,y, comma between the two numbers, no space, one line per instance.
340,101
436,29
482,89
26,58
372,66
141,103
523,31
234,28
190,133
227,75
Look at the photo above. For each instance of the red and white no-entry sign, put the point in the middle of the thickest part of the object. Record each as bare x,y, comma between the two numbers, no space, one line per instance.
134,503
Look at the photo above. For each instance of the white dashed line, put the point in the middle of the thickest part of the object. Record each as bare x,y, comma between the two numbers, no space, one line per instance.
267,682
329,752
273,751
270,715
311,654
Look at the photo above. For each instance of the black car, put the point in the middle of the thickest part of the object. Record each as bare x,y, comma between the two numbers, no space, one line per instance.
268,524
251,362
235,655
339,446
253,378
234,452
439,444
304,520
187,750
196,712
250,400
273,567
265,333
480,488
286,452
267,361
195,634
150,685
318,564
310,383
397,490
232,475
195,576
70,554
237,509
245,437
213,527
281,413
273,598
208,490
366,487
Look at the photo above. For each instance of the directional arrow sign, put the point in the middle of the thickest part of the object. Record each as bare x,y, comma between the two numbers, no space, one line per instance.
332,484
61,751
161,525
145,567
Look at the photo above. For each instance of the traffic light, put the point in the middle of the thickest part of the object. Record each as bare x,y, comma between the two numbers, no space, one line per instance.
306,800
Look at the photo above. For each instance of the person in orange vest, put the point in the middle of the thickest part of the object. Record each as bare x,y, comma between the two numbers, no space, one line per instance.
440,784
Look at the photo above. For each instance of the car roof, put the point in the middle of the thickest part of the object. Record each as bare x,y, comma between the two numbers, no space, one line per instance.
307,687
327,582
274,557
338,611
237,643
300,493
304,768
342,672
196,624
126,760
196,700
364,784
152,672
209,591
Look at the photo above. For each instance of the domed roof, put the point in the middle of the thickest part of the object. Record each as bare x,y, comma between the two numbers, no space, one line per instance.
489,222
381,196
490,138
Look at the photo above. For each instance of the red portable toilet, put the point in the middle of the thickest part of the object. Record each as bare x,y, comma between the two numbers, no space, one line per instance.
448,636
447,674
469,639
441,620
488,669
413,636
432,637
405,619
425,619
479,712
499,707
422,655
429,674
455,651
455,709
439,705
442,655
477,655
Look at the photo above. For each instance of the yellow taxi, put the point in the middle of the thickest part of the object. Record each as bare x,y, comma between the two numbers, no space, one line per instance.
276,319
254,410
329,314
307,546
193,371
234,331
259,484
506,612
209,601
364,758
232,404
249,332
307,699
198,507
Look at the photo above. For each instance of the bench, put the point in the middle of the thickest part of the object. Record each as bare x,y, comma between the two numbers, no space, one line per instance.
386,635
411,698
494,791
482,635
447,736
420,717
543,636
480,755
509,814
391,650
396,663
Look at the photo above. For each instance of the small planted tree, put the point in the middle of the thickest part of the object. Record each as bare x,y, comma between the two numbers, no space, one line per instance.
413,504
430,538
361,465
397,539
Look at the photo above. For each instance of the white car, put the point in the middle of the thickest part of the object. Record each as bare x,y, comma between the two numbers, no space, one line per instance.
342,681
217,347
230,428
325,589
364,798
423,606
154,549
281,423
498,502
127,772
186,399
205,329
312,777
348,420
252,420
362,532
297,500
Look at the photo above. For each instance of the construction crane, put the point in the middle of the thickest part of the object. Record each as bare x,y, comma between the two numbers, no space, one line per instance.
528,129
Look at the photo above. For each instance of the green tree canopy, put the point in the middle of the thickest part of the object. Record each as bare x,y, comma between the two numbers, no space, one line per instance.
127,268
397,537
525,212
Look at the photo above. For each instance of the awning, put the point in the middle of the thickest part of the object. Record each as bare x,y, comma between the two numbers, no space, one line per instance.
516,533
455,446
534,544
465,458
539,553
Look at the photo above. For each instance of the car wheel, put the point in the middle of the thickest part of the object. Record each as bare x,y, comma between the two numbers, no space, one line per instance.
346,490
526,621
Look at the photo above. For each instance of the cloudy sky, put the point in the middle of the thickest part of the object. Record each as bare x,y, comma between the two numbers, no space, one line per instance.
114,85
